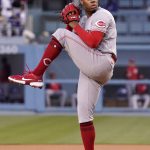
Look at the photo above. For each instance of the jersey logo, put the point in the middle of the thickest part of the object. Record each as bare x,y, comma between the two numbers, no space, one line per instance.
100,24
47,61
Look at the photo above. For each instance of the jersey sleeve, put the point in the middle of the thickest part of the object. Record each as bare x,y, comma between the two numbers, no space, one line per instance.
90,38
100,22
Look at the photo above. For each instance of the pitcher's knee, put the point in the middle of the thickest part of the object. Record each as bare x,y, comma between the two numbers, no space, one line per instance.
59,34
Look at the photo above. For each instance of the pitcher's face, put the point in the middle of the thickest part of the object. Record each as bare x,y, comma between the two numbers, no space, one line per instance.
90,5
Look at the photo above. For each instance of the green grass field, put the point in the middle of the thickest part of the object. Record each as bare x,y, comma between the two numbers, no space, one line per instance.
65,130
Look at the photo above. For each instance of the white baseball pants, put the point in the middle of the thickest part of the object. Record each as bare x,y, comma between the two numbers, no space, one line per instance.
95,70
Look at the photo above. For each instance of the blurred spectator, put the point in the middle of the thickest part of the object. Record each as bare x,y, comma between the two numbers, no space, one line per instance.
6,8
132,70
18,5
55,89
140,98
23,17
5,70
15,24
112,5
12,17
132,73
2,24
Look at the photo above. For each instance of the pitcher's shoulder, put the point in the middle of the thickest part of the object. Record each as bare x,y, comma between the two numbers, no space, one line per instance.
104,11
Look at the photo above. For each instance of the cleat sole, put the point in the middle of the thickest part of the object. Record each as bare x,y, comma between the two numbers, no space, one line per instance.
16,81
32,84
37,84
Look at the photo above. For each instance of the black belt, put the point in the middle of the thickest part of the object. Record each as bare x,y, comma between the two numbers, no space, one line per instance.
113,56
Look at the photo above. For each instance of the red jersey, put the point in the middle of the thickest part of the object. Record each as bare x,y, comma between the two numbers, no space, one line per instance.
132,73
54,86
141,89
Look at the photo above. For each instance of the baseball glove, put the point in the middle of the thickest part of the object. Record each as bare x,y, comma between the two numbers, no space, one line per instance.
70,13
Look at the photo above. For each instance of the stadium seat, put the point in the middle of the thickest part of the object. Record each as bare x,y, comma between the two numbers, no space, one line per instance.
146,27
124,3
136,27
139,3
122,27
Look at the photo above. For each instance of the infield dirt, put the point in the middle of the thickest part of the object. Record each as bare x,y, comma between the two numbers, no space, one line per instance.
73,147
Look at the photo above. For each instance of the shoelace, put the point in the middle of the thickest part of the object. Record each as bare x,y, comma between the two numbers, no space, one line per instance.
27,71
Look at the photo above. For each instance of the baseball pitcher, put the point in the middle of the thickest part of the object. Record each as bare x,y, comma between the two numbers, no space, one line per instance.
90,41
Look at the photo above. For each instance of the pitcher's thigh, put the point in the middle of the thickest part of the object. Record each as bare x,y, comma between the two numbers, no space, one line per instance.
88,92
79,52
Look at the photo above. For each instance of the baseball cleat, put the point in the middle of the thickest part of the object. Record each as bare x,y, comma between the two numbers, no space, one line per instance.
27,79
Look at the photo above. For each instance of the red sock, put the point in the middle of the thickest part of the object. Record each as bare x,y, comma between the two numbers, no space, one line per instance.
51,52
88,135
